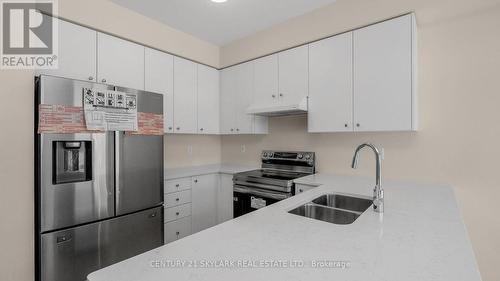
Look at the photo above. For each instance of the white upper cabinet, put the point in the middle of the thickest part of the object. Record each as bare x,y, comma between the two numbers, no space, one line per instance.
159,78
120,62
330,85
185,73
227,101
384,68
208,100
293,75
244,98
237,92
266,87
77,52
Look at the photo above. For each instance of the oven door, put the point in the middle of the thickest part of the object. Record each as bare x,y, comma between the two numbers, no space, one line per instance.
248,199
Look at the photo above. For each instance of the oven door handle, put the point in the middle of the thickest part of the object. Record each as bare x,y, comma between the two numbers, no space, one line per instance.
265,194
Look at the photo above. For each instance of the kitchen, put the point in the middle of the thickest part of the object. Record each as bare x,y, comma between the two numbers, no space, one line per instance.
452,144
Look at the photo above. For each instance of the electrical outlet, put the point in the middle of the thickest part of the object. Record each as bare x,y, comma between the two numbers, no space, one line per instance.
190,150
243,148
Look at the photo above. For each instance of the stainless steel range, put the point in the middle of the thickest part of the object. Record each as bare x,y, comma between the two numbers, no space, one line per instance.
274,182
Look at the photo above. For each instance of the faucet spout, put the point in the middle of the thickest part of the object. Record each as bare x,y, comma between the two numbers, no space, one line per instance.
378,192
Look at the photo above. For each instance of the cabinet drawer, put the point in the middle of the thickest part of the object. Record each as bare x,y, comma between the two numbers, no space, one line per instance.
177,229
178,212
300,188
177,198
177,185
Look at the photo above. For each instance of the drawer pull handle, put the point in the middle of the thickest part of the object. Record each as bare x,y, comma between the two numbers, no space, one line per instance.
177,199
177,233
177,213
177,185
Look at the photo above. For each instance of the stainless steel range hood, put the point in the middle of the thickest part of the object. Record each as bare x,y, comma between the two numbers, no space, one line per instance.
299,108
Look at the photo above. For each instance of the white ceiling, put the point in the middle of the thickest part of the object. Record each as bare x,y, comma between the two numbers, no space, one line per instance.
222,23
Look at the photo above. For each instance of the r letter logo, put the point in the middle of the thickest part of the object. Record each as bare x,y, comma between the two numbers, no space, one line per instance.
28,35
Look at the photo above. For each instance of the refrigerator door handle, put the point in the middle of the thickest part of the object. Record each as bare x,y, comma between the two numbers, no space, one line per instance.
118,148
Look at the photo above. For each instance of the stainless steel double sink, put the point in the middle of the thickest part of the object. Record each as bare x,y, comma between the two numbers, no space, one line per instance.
334,208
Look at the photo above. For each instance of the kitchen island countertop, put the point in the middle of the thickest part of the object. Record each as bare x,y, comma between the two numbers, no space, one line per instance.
421,236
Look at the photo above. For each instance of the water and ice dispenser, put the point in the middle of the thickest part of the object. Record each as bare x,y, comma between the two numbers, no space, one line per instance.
72,161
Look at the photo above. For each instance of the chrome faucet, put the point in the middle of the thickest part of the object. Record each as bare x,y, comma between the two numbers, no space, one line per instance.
378,191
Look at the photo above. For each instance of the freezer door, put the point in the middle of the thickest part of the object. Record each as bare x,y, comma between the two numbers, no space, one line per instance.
72,254
139,168
75,182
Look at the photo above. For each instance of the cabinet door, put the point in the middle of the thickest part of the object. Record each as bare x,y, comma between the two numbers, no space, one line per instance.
293,75
244,98
208,100
330,85
383,76
184,96
159,78
204,201
225,198
120,62
177,229
227,100
300,188
77,52
266,81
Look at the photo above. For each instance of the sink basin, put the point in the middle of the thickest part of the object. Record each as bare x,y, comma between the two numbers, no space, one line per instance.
334,208
349,203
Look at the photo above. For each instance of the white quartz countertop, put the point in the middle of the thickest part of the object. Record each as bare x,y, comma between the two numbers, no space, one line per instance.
184,172
317,179
420,236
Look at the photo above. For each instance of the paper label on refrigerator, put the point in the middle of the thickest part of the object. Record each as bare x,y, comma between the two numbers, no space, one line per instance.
109,110
257,203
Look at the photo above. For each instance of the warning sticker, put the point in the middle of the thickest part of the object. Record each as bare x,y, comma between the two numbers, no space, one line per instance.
109,110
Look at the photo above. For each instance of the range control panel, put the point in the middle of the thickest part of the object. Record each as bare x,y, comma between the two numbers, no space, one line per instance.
301,156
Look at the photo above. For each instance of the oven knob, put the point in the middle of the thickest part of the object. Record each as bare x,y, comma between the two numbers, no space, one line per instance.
265,154
270,154
300,156
308,156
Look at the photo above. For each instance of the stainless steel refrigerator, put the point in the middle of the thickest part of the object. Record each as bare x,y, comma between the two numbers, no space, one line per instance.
98,196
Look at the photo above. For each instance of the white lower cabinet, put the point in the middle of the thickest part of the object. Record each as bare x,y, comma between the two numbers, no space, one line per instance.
204,201
177,198
225,198
300,188
179,212
200,201
177,229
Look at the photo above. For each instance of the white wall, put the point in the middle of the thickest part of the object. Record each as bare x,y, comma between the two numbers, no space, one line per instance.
459,136
189,150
